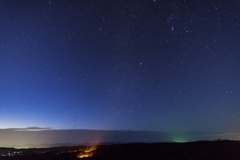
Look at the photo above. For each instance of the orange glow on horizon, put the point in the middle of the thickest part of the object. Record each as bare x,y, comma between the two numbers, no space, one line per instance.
87,152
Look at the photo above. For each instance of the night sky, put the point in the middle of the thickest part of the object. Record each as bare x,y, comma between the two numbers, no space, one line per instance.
154,65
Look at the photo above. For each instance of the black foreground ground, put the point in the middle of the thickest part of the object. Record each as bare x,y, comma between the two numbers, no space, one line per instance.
202,150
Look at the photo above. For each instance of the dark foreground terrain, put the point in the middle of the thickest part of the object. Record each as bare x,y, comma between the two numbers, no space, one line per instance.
202,150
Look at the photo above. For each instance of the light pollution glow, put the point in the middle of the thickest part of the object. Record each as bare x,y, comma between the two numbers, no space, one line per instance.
42,138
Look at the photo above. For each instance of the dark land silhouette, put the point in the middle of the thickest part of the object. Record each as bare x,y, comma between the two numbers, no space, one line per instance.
200,150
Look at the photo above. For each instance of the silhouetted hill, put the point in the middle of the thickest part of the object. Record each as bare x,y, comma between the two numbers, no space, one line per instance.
201,150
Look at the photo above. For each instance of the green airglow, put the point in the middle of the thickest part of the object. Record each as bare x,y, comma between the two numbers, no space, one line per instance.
180,137
179,140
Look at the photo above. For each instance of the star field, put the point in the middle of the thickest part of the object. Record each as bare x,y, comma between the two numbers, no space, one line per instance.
120,65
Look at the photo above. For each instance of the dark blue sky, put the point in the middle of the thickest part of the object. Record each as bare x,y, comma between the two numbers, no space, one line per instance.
166,65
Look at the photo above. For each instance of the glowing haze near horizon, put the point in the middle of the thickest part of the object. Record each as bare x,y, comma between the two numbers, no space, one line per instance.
165,65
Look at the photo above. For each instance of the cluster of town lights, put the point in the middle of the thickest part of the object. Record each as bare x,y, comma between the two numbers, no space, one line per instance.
85,154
